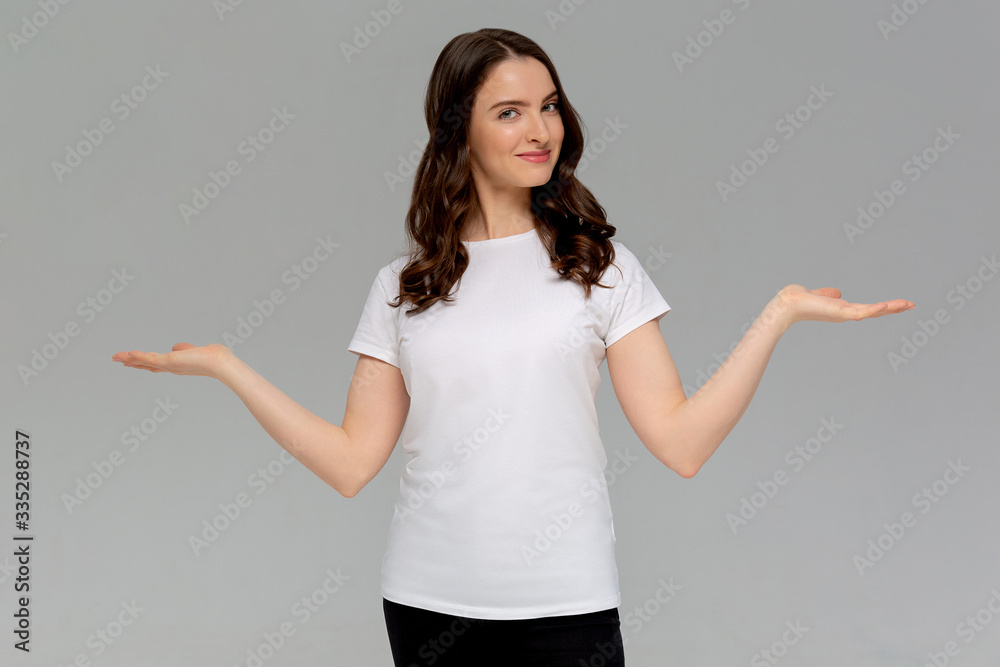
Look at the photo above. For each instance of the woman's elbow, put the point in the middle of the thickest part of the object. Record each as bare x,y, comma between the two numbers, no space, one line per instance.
687,471
685,468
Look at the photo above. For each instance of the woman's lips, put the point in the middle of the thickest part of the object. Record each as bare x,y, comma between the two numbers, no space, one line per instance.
535,156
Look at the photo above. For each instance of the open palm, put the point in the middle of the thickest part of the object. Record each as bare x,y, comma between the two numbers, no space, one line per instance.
825,305
183,359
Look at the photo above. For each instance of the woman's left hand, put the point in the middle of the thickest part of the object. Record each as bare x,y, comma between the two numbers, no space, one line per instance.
796,303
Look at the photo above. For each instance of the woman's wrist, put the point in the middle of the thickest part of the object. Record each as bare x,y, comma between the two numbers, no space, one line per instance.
780,310
225,366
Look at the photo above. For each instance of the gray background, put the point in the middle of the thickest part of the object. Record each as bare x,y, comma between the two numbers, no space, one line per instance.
324,176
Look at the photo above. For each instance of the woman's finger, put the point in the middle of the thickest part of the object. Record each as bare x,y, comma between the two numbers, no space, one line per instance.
183,359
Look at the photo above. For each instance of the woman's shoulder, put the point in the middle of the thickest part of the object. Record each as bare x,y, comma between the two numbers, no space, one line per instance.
624,260
388,274
623,254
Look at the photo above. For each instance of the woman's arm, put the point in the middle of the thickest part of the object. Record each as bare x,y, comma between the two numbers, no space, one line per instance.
684,432
345,457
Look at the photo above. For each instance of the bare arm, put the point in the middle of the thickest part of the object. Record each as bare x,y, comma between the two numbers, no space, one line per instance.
345,457
682,432
690,430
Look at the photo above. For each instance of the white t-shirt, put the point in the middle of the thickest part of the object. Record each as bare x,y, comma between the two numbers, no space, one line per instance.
503,510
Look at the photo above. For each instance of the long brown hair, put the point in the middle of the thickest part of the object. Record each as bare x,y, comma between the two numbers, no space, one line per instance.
571,223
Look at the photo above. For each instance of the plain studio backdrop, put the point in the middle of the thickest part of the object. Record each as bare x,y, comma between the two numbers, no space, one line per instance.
239,171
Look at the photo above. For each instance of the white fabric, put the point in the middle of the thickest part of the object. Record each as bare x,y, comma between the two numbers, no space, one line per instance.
503,511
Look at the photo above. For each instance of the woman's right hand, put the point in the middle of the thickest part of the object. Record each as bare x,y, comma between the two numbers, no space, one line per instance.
183,359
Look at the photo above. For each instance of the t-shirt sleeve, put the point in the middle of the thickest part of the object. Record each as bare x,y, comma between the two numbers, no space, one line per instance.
634,299
377,334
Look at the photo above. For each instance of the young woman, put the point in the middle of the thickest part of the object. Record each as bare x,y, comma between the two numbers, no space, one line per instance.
501,548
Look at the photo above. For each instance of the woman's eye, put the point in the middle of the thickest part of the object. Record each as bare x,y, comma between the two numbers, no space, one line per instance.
502,117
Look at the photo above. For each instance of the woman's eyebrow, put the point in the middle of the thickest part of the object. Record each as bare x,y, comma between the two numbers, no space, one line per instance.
519,103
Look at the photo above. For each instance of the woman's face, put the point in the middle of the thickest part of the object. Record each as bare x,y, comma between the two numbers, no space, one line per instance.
516,111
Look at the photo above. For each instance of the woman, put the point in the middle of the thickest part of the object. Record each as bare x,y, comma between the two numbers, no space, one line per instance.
501,548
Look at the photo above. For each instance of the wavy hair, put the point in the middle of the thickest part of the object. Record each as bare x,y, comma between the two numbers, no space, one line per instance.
571,223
